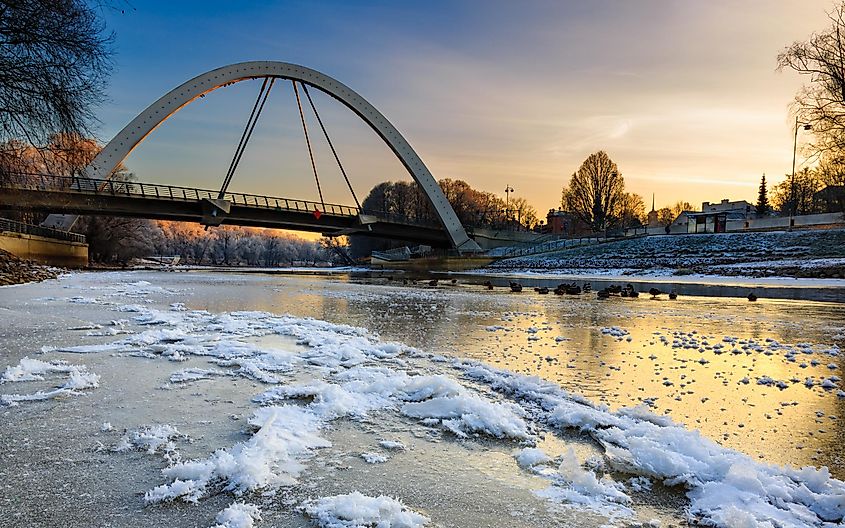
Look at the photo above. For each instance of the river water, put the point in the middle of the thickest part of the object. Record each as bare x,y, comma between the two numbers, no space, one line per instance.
759,378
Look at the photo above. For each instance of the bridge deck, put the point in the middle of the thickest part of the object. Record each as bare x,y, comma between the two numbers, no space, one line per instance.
87,196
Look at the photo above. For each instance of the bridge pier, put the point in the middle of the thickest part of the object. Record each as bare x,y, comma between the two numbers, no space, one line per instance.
215,211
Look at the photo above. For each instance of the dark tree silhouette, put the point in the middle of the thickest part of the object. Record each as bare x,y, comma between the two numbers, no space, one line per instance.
821,102
796,195
763,206
55,58
595,191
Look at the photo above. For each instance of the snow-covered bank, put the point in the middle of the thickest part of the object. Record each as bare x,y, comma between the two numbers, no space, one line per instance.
802,254
346,374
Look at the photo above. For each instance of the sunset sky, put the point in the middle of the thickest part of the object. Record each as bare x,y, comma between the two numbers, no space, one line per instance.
684,96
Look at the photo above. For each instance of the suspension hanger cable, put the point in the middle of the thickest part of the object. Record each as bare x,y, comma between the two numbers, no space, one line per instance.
263,94
308,143
254,122
331,145
241,142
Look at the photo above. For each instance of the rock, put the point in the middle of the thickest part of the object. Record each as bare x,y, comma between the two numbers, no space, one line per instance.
17,271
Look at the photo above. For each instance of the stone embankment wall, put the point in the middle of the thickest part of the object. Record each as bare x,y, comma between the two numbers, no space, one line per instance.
45,250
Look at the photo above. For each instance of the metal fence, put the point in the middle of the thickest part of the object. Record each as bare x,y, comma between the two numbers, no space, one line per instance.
29,229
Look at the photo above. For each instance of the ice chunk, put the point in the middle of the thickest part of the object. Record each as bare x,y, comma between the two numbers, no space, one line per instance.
531,456
358,511
374,458
469,413
78,378
152,439
194,374
286,435
575,485
238,515
391,444
32,369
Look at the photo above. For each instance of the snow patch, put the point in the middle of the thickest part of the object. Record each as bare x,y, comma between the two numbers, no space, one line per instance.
360,511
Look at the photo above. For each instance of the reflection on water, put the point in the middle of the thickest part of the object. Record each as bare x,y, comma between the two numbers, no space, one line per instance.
712,389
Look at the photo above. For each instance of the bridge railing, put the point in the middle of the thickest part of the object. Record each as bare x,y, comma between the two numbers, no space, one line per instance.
112,187
14,226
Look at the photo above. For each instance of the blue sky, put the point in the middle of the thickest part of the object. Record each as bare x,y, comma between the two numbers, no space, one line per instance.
684,96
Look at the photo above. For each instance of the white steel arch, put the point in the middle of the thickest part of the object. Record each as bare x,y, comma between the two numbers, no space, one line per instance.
139,128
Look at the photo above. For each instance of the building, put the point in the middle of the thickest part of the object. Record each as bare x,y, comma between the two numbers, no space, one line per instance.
653,216
714,217
739,206
831,199
561,222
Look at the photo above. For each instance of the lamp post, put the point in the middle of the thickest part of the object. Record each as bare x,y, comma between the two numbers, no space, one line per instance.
793,205
508,191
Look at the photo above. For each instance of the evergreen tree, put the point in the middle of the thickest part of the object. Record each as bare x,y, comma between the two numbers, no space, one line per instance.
763,206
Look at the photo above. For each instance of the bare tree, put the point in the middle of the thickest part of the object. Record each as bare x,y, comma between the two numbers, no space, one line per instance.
796,195
831,170
55,58
526,214
680,206
595,191
631,210
117,240
665,216
821,102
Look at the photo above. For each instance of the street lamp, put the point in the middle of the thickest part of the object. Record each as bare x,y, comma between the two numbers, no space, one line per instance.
508,191
793,202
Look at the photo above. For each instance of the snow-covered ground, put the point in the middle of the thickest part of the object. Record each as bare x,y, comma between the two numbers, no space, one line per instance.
256,415
806,253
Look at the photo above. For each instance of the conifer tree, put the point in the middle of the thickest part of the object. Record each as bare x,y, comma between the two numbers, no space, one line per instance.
763,206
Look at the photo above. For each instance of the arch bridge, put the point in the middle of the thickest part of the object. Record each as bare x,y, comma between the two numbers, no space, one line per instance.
96,192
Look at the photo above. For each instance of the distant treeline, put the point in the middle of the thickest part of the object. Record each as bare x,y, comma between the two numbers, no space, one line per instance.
118,240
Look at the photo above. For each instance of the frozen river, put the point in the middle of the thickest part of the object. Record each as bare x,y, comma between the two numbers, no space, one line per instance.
202,399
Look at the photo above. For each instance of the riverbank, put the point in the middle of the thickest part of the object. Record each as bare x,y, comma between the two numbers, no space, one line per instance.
796,254
18,271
